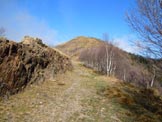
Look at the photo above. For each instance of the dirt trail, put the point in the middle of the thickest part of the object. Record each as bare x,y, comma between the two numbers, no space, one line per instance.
66,104
71,97
61,100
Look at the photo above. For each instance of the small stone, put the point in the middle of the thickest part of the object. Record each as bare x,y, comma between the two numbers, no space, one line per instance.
40,103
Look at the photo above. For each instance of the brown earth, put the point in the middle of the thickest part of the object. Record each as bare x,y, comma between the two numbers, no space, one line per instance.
27,62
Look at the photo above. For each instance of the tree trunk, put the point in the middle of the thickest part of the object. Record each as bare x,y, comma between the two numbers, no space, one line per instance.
153,79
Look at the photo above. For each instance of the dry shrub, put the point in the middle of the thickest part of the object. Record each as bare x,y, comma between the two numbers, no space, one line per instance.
144,118
144,104
126,100
149,99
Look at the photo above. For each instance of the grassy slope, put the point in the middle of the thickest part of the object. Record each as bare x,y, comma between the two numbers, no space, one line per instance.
74,47
137,63
82,95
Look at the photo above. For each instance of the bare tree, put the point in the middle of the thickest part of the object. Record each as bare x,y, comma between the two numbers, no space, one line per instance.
110,60
109,51
146,20
2,32
153,78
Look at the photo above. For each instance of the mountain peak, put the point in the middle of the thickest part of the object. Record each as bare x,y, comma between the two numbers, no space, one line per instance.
75,46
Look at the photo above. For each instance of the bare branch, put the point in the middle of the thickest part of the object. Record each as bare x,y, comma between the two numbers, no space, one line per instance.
146,20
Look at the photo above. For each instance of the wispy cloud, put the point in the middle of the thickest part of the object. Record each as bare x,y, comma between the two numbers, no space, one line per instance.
20,22
127,43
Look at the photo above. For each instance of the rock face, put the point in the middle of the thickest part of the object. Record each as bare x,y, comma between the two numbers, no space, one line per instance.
27,62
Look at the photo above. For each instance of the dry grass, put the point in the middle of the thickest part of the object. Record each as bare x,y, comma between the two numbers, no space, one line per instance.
20,107
143,104
74,47
60,52
82,95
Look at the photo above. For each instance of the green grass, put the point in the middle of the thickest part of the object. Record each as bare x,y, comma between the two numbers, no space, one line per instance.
101,86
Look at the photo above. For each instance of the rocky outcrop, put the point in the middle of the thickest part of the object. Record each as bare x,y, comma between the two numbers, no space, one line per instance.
27,62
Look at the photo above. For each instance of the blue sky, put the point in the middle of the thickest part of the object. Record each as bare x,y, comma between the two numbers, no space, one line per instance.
57,21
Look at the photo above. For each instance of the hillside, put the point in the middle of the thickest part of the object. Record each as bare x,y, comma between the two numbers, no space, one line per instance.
74,47
124,66
27,62
78,95
81,95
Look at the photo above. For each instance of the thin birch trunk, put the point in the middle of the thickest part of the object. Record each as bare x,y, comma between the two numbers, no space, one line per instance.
153,79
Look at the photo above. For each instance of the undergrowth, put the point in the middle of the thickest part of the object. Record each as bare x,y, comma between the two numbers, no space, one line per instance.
144,105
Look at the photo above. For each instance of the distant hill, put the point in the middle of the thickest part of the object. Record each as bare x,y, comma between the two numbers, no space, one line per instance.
74,47
127,67
27,62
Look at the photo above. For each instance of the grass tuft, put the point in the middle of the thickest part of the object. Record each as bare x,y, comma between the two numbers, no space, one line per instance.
145,105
